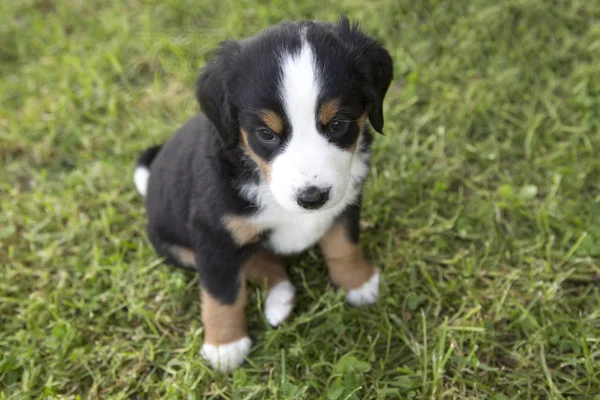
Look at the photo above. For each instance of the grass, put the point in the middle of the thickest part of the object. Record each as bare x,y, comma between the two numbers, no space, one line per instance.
483,206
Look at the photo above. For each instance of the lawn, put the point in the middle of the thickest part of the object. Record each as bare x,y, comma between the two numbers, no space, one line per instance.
483,207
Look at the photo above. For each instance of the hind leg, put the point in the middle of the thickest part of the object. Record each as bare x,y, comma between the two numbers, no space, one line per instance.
267,269
181,256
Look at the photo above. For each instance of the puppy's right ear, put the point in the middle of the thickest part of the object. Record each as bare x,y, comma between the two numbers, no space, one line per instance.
212,93
374,63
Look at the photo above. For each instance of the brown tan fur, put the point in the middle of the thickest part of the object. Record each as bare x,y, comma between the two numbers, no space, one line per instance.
224,323
273,121
266,269
243,232
184,255
361,125
263,165
328,110
347,266
227,323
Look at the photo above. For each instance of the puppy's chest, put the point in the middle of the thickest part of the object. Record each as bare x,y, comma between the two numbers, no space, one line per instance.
292,233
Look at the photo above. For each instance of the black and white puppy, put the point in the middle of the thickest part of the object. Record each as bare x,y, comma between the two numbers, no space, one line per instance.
274,165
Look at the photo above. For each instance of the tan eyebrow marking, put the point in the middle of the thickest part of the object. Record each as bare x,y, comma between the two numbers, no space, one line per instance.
273,120
328,110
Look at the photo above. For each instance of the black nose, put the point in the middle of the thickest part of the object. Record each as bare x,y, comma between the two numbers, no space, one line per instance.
313,197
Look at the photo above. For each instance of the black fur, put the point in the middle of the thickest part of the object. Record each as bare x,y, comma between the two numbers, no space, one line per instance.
196,176
351,220
374,64
189,190
147,156
212,92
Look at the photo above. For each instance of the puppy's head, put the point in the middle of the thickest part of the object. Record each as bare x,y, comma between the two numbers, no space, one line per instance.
296,98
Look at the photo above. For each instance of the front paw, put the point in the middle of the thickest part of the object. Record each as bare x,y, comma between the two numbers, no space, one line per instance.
365,294
279,303
227,357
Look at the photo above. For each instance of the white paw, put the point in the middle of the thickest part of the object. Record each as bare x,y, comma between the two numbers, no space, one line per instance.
279,303
228,356
366,294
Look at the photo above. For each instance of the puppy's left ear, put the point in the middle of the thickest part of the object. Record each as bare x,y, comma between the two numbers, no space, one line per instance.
375,66
212,93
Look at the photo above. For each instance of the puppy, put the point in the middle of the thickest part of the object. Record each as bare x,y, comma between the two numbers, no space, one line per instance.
273,165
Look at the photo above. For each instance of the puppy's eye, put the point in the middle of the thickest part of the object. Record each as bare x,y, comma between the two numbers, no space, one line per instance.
267,136
338,127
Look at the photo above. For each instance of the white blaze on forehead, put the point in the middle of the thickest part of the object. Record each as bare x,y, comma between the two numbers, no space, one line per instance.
300,87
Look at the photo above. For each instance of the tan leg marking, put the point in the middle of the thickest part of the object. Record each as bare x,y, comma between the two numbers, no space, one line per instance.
347,267
224,323
184,255
243,232
266,268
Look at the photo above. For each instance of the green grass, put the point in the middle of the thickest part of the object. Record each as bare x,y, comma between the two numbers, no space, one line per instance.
483,205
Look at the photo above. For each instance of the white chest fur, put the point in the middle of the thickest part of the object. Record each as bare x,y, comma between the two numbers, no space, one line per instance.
293,232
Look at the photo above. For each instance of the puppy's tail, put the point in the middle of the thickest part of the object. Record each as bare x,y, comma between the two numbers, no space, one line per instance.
141,174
